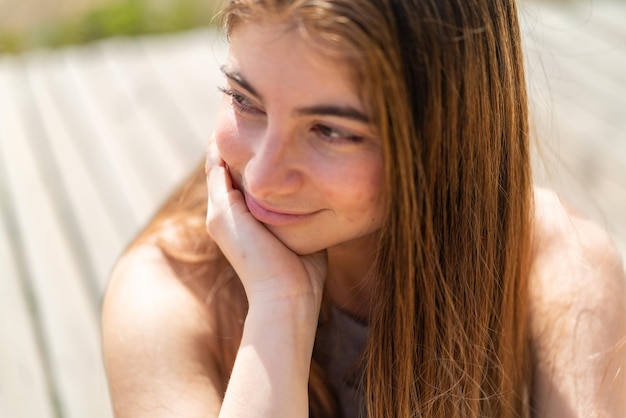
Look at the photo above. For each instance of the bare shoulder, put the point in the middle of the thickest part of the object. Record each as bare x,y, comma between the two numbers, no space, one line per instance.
145,289
567,242
577,314
157,333
574,259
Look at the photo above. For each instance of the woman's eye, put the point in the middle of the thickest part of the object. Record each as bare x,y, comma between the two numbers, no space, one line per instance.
335,135
241,102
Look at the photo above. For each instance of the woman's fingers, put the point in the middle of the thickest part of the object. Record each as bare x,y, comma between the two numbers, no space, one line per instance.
263,263
224,201
247,244
227,213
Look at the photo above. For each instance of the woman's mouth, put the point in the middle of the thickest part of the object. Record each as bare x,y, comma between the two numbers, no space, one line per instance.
274,216
267,214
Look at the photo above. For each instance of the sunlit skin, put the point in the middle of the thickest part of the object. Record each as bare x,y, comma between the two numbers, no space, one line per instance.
295,174
299,146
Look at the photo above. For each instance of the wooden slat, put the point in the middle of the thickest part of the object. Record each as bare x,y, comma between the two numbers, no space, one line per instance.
24,385
109,124
144,135
84,123
198,55
24,388
66,313
177,144
81,123
101,240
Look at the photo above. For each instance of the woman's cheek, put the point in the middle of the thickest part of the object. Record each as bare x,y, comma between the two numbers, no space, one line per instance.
229,140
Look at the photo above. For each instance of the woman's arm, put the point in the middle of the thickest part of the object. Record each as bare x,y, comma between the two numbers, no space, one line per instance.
578,317
159,344
159,341
284,290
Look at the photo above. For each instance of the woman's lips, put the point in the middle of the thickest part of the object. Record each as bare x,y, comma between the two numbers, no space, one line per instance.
274,217
264,213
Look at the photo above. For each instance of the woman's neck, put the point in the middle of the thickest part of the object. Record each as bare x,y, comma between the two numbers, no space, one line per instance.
350,280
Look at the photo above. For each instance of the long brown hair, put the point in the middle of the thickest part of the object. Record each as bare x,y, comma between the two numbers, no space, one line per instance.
444,80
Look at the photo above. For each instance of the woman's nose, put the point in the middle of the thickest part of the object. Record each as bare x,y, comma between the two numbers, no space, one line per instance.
274,168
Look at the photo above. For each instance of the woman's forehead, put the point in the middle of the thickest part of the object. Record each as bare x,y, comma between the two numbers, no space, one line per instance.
263,52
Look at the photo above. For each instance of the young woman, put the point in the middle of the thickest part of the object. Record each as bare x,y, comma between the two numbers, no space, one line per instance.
375,246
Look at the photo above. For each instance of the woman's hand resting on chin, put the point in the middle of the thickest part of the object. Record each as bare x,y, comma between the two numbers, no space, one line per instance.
284,292
270,272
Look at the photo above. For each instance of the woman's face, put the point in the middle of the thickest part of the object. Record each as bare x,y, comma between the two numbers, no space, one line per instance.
298,140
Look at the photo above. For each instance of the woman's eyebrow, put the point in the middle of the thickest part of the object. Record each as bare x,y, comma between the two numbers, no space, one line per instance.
239,79
347,112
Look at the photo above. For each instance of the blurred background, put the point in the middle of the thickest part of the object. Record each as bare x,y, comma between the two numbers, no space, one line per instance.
25,24
105,108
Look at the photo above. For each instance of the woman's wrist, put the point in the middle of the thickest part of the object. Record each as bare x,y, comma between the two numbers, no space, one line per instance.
297,313
271,370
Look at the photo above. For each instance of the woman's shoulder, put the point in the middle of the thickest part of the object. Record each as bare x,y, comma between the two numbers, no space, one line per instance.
577,314
165,332
575,263
147,275
147,294
571,252
161,278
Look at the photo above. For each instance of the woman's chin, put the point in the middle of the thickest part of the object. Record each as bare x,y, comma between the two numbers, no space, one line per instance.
301,245
301,248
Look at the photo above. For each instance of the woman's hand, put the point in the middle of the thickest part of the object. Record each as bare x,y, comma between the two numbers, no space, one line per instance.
271,370
269,271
